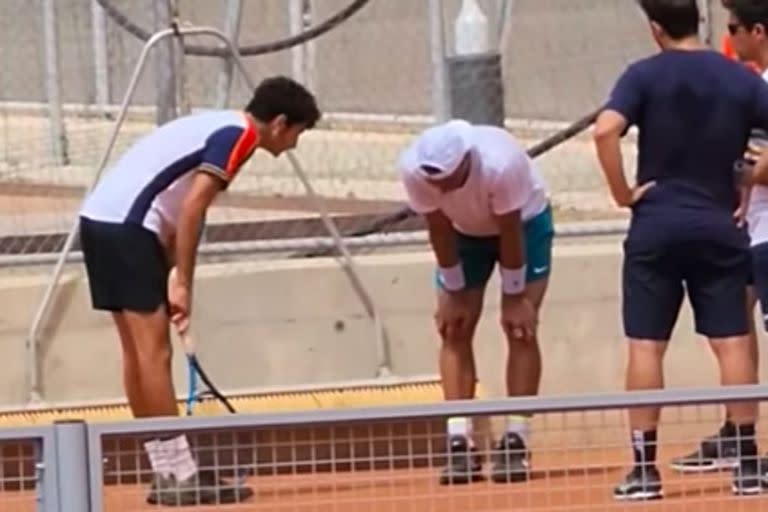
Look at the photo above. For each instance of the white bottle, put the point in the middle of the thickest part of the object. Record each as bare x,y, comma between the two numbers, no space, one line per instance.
471,29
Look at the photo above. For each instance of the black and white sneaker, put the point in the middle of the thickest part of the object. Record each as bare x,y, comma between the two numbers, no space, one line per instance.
642,483
463,463
511,460
747,478
715,453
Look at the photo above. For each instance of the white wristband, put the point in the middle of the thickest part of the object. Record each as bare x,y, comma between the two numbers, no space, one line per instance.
512,280
452,278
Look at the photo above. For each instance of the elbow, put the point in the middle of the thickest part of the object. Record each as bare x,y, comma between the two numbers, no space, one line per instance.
602,134
608,127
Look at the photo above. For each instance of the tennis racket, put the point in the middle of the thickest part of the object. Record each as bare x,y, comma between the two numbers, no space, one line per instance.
194,396
195,370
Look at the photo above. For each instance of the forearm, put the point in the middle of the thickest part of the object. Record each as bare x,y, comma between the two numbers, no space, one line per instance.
612,164
442,238
187,239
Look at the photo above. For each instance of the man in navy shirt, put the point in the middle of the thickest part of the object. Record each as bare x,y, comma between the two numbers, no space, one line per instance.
694,110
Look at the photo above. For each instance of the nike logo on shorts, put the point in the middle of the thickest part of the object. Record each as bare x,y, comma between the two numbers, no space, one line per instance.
540,270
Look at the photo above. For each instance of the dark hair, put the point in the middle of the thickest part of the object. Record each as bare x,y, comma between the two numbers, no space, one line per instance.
282,95
750,12
678,18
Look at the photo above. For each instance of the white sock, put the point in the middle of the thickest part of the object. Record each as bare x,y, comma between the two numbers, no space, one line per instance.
157,458
179,457
461,427
518,425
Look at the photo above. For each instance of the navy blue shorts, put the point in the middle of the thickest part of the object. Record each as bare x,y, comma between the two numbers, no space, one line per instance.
126,266
657,276
760,275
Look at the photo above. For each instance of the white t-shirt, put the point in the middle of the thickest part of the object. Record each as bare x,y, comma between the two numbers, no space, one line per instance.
147,185
757,216
502,179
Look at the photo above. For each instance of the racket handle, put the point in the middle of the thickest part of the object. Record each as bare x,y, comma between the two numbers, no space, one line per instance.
186,342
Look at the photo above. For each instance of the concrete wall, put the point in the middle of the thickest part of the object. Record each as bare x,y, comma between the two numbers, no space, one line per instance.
560,59
297,322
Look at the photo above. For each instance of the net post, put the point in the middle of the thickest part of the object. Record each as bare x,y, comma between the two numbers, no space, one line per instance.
70,438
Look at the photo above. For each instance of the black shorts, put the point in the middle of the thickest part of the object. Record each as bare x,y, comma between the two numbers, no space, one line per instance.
126,265
656,277
760,274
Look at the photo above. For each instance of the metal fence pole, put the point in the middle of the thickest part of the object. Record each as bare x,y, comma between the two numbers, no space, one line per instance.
298,52
705,21
71,445
53,84
100,55
232,31
441,109
165,66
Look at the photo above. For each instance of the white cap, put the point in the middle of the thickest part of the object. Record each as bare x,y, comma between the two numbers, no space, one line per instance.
443,147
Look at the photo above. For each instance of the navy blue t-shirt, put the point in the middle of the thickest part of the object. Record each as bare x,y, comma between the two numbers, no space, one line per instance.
694,111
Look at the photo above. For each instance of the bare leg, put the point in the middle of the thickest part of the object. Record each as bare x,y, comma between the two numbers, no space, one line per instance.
459,376
151,340
131,370
511,458
457,360
737,367
524,359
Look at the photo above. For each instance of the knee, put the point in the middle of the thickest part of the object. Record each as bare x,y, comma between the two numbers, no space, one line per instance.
457,337
156,352
646,350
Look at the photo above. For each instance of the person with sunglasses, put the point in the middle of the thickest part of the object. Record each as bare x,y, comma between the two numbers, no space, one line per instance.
748,32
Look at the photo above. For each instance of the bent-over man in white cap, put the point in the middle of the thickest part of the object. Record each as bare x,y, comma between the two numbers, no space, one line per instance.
484,203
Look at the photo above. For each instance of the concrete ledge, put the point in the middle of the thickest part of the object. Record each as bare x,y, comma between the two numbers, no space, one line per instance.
289,322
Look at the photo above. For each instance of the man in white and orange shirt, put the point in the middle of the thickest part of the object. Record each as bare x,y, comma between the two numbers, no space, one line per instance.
144,217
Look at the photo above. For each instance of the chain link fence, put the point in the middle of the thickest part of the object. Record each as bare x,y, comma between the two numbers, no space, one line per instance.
373,74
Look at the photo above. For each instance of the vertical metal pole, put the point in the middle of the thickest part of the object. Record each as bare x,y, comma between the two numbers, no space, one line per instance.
53,85
232,31
298,52
165,66
440,100
505,20
705,21
46,472
311,59
71,443
100,55
40,487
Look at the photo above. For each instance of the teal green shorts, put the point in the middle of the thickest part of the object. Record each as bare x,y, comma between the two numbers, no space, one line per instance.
478,255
